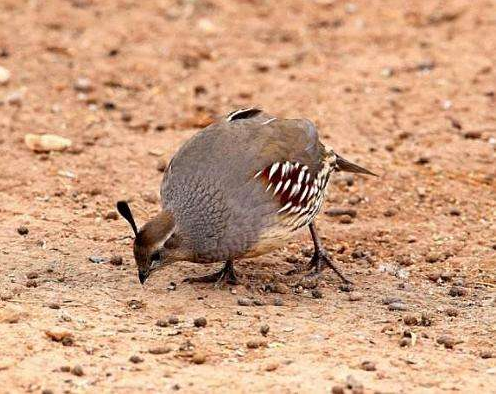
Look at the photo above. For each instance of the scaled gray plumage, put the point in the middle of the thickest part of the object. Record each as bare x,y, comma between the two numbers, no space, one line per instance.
239,188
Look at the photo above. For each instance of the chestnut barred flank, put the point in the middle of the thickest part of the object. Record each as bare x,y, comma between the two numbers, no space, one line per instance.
299,191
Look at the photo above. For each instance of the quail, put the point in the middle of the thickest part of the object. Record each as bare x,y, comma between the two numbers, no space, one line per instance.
239,188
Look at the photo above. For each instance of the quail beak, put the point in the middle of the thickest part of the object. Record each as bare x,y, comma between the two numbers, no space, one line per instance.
348,166
143,275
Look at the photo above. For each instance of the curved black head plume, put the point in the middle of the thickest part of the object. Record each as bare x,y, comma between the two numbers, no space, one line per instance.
125,211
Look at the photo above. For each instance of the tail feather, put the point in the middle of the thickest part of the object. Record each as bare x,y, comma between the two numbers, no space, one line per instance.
347,166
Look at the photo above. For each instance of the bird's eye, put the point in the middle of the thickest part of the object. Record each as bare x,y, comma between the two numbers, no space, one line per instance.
155,256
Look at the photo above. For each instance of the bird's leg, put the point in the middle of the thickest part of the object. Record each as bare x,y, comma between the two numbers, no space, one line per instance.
321,258
227,273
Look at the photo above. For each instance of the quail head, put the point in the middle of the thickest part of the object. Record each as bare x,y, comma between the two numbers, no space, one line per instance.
239,188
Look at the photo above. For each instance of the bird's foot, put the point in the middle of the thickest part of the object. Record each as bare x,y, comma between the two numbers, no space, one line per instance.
226,274
319,260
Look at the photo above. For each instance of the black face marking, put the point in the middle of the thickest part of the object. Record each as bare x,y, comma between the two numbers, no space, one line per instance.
245,113
155,256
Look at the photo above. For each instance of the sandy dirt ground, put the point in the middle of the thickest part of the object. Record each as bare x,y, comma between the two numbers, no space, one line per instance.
406,88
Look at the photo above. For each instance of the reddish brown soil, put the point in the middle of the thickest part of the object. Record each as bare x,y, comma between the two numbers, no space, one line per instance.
405,88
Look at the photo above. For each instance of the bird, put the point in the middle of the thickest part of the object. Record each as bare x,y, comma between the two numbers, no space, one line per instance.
241,187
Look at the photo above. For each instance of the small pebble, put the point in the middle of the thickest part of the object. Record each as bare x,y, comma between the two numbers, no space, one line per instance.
83,85
32,275
446,340
341,211
31,283
472,135
346,287
126,117
173,320
455,212
278,301
397,306
452,312
116,260
271,367
135,304
346,219
97,259
433,257
368,366
136,359
159,350
245,301
353,200
337,390
200,322
77,370
14,98
405,342
162,323
264,329
353,384
111,215
65,368
423,160
355,296
53,305
4,76
457,291
316,293
389,213
47,391
410,320
434,276
255,343
486,354
390,300
426,319
162,164
22,230
199,358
